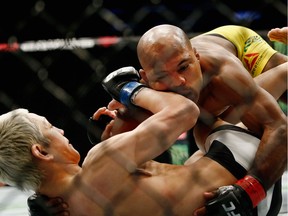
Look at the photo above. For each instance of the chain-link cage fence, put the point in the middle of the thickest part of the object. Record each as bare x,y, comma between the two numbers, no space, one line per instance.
54,54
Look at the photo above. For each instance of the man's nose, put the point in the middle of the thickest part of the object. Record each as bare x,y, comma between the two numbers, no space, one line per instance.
179,81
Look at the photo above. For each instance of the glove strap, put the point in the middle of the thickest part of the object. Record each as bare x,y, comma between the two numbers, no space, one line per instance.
129,92
253,188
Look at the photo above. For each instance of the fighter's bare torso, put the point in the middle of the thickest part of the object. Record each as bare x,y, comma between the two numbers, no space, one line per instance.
154,190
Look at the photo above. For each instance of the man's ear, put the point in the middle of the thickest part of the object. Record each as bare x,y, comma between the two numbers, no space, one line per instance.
143,76
39,152
196,53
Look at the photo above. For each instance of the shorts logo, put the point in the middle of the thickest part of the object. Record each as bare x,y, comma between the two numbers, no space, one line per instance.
250,60
250,41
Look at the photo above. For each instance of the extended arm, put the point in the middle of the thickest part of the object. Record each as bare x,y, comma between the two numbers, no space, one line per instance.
155,134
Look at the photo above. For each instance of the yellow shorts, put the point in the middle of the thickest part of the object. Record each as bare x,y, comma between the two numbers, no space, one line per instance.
252,49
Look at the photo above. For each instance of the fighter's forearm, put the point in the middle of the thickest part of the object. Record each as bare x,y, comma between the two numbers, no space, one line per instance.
265,117
271,157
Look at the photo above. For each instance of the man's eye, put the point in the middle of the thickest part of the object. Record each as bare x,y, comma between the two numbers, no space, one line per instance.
183,68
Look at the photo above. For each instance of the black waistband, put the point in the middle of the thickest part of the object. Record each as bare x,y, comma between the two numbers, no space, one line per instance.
235,128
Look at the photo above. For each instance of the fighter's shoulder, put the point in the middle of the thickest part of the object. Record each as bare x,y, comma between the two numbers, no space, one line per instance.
208,38
214,43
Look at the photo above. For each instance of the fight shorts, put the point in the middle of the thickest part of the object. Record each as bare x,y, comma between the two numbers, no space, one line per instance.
252,49
234,148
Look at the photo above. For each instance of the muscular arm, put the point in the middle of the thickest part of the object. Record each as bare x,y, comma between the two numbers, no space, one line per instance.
159,132
156,134
271,158
260,113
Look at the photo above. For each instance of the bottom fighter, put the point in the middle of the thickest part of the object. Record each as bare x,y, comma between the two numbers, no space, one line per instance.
123,184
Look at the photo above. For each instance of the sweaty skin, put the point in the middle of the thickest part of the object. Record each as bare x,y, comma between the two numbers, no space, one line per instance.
163,177
210,74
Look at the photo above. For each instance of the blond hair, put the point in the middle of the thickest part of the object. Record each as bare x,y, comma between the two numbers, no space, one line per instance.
17,134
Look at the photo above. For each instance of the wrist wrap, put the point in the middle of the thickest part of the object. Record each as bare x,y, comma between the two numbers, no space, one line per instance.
253,188
129,92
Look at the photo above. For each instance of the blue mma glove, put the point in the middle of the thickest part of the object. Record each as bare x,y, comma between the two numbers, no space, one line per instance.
123,85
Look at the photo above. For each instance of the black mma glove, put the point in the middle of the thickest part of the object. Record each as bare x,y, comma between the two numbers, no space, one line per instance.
123,84
37,205
238,199
40,205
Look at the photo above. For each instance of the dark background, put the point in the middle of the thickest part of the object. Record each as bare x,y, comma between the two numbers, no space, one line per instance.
64,85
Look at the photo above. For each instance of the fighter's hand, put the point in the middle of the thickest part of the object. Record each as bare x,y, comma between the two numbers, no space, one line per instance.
122,84
239,198
100,125
115,105
208,196
103,114
103,111
40,205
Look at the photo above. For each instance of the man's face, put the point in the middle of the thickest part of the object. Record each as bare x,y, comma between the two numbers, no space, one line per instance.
175,70
59,146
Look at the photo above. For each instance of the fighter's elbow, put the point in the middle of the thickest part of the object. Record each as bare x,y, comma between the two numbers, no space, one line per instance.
193,113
